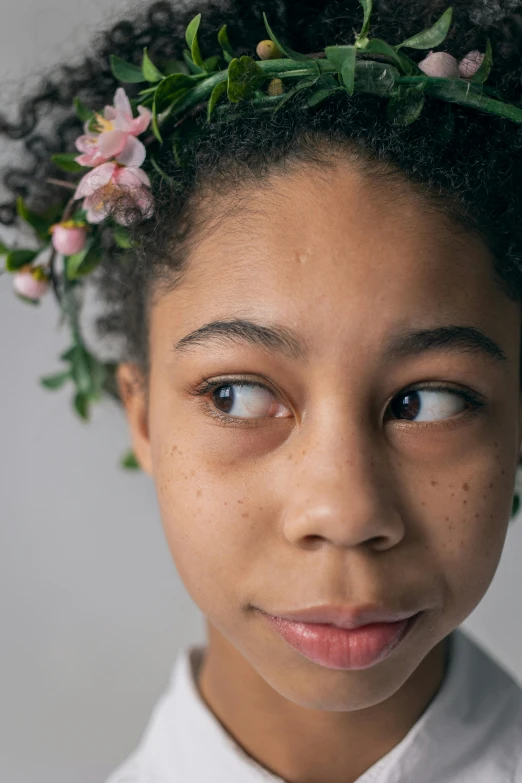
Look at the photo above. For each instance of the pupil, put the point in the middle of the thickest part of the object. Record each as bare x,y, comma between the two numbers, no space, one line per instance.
226,397
412,405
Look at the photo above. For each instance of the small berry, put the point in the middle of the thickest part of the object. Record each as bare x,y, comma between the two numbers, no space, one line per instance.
268,50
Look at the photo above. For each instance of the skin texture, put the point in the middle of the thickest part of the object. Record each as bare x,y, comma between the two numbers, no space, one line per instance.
330,501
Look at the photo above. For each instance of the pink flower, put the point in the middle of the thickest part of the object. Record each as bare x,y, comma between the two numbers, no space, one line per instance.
69,237
30,282
440,64
110,188
470,63
117,138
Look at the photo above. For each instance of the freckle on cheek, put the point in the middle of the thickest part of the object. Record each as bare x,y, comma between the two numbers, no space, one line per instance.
434,483
465,486
198,493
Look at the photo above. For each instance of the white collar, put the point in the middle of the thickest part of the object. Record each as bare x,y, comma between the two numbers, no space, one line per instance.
471,732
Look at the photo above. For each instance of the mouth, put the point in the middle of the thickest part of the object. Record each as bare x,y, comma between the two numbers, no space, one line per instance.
343,648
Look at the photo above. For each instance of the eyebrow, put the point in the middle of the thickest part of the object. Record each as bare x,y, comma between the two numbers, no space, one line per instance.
285,341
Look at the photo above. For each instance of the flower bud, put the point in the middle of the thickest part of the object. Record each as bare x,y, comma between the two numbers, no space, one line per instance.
268,50
69,237
31,283
440,64
275,87
470,63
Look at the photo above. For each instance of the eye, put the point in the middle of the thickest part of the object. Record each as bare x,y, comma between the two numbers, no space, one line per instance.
234,400
242,400
431,403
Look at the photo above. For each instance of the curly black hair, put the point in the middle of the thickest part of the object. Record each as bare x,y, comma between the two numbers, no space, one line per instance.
473,176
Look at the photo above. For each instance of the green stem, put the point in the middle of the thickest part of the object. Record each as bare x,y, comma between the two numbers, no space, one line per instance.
470,95
283,68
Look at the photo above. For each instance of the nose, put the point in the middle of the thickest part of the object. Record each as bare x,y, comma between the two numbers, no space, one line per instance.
342,491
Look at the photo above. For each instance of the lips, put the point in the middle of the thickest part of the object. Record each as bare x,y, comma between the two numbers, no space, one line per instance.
341,648
348,617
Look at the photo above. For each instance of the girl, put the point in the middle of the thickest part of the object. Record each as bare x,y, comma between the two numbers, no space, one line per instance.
322,323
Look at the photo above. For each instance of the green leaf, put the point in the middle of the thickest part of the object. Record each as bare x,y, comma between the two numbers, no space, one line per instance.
122,237
68,355
191,37
515,505
26,299
149,70
343,59
285,49
154,123
302,85
81,110
320,95
38,222
375,77
224,42
244,77
219,90
81,405
175,66
212,63
367,7
4,249
81,370
482,73
191,65
406,106
400,59
56,381
172,89
124,71
129,461
433,36
92,125
82,263
468,94
65,161
228,57
19,258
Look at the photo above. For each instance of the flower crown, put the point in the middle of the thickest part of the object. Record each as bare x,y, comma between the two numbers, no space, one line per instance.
112,156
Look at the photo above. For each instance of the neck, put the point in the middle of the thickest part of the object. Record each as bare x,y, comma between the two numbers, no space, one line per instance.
302,745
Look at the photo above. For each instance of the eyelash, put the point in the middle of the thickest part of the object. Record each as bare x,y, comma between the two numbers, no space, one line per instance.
474,402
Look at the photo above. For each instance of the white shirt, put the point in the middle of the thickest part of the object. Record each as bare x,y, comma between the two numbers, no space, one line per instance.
471,732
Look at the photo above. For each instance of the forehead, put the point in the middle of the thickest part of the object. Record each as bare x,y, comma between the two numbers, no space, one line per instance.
323,248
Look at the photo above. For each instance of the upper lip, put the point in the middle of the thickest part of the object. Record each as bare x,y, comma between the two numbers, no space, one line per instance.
345,616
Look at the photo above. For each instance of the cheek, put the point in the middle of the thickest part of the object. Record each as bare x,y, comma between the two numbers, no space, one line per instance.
469,530
214,528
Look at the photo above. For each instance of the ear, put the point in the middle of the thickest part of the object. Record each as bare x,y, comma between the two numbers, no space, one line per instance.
131,385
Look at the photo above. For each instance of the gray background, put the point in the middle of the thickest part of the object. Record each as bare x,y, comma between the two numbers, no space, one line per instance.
92,610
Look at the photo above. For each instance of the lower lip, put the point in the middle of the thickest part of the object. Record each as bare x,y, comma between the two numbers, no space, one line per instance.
340,648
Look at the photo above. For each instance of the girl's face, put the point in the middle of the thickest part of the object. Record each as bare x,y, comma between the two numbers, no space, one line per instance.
331,480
